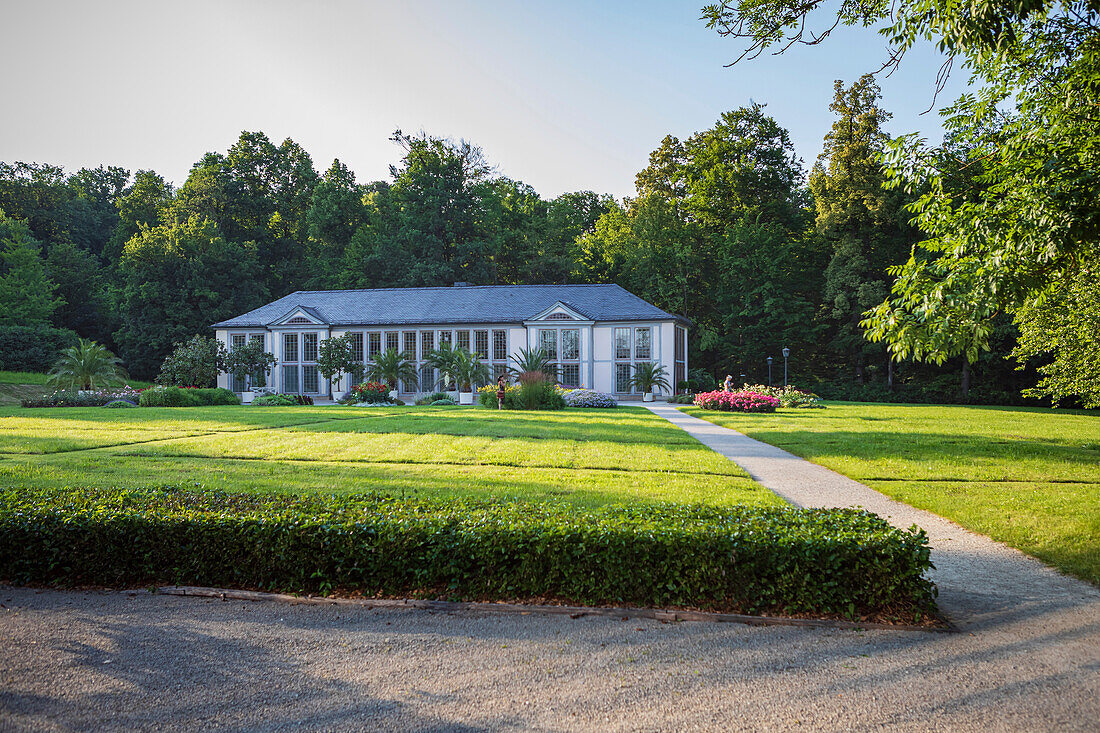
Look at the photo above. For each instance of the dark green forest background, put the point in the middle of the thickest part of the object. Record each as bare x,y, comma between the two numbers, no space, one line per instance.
727,228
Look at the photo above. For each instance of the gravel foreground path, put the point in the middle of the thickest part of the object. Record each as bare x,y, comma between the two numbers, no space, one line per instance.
1027,657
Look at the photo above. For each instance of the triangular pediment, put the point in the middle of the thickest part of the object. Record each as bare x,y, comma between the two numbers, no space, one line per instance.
560,312
300,315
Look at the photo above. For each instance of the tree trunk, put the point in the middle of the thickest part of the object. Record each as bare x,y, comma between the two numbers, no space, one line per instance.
964,387
889,372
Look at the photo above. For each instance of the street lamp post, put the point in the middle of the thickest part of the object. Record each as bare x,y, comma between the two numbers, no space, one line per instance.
769,371
786,353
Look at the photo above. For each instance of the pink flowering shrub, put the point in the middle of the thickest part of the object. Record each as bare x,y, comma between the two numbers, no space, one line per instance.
743,401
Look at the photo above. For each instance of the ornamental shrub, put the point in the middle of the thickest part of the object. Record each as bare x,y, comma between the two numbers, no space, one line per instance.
588,398
168,397
273,400
744,401
789,396
216,396
445,401
195,362
120,404
740,559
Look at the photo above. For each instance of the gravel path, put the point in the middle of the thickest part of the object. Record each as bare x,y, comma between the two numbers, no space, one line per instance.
113,661
1027,659
982,583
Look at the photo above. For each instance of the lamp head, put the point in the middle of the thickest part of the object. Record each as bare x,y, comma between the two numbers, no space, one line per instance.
786,352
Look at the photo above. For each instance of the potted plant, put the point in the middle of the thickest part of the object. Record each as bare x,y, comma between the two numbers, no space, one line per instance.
391,367
468,371
335,358
444,359
648,375
249,360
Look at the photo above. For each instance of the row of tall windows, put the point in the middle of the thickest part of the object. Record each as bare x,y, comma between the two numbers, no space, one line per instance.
632,345
236,383
681,355
416,346
562,347
299,363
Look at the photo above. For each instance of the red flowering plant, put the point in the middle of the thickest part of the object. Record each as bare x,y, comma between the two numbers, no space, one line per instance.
371,392
743,401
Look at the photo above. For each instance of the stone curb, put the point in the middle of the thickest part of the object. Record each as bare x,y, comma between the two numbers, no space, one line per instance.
658,614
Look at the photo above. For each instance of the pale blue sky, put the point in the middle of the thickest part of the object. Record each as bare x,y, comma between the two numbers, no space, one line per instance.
565,96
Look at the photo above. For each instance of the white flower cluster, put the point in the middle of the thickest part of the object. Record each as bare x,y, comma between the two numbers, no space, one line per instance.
589,398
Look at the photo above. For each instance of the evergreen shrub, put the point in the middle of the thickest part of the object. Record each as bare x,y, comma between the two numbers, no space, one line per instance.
740,559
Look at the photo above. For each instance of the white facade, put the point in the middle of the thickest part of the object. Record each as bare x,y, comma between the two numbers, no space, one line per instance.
590,354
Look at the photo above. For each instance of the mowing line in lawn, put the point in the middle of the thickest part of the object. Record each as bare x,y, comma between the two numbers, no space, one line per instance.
396,462
248,429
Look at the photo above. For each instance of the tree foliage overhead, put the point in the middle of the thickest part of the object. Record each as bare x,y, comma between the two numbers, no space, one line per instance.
1009,205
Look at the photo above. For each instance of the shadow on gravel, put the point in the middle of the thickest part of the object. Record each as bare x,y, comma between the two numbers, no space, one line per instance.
152,662
146,671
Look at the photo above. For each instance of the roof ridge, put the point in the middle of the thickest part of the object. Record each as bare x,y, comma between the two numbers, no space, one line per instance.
459,287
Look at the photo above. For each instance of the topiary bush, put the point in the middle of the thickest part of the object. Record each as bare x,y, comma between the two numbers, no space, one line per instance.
216,396
123,404
445,401
740,559
168,397
273,400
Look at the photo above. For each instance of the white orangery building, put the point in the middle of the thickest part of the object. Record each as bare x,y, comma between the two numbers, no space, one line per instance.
594,334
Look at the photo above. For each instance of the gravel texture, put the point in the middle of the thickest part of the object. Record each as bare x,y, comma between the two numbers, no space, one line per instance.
1027,656
114,661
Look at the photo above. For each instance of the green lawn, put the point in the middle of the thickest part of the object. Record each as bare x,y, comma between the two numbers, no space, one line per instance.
37,378
587,457
1029,477
22,378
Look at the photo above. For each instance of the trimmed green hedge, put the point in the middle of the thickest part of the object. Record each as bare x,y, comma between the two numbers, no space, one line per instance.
187,397
824,561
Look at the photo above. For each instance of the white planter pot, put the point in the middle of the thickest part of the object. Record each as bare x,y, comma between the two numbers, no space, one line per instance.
465,398
393,394
647,397
247,397
338,395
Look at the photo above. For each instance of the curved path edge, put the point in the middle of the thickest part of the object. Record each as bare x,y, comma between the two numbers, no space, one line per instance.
982,583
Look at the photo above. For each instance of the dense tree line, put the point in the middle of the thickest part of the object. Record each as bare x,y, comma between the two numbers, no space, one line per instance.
727,228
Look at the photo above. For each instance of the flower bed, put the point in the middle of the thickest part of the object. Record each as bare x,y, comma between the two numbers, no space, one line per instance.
588,398
789,396
744,401
97,398
375,392
741,559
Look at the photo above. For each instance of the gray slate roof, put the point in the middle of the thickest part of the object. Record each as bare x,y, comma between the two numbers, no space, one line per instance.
459,304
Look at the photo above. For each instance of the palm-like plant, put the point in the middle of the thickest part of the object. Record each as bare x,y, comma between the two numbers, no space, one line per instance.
533,360
392,366
87,365
444,359
648,375
469,370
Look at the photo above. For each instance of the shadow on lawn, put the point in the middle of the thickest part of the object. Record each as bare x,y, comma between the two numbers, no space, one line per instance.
621,425
943,455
